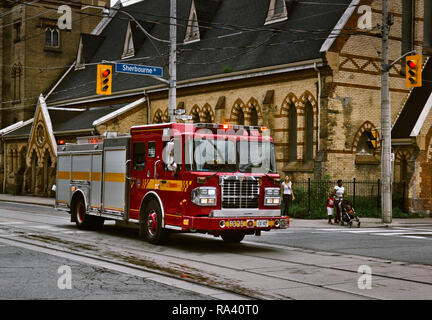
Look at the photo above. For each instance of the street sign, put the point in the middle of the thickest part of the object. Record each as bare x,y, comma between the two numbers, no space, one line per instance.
139,69
179,111
183,117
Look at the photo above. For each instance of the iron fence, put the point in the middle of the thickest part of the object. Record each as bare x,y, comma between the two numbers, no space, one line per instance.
311,197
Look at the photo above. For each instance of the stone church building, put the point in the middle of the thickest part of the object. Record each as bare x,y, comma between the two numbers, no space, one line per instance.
303,69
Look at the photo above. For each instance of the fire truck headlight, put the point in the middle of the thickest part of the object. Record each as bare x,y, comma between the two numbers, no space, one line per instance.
204,196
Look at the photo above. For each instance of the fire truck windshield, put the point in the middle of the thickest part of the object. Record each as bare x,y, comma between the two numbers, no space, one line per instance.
230,156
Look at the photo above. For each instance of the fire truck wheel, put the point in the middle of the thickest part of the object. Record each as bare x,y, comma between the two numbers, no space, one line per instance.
233,237
85,221
151,224
82,218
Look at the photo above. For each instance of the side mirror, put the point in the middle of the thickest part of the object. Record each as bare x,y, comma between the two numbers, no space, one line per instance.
168,156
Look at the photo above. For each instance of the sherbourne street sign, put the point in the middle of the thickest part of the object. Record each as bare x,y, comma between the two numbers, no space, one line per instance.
139,69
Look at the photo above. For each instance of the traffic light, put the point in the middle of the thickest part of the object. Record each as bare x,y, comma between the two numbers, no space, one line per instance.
372,138
413,71
104,79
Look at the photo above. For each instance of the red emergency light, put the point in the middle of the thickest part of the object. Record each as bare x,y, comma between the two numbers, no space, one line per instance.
225,126
61,142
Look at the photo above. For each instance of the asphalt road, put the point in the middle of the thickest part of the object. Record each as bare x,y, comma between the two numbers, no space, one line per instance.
297,263
407,244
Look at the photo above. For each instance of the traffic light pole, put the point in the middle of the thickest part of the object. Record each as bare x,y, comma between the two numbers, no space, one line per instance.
386,188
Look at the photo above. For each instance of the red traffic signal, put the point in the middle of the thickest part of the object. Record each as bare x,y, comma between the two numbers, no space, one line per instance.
104,79
413,70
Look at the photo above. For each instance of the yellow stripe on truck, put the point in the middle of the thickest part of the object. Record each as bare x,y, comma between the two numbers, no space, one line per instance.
63,175
114,177
80,175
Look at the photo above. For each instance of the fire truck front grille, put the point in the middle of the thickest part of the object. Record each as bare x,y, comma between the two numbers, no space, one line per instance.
240,194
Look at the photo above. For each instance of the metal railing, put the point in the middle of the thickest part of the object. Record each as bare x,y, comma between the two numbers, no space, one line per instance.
311,196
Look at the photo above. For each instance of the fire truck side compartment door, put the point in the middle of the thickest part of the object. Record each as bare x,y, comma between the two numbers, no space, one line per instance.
114,171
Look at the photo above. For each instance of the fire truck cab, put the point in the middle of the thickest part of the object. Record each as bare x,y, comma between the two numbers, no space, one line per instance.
174,177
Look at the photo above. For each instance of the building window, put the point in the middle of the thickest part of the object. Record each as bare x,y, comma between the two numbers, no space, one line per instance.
308,132
277,11
52,37
195,116
192,30
16,82
17,30
128,47
292,133
363,148
207,116
253,116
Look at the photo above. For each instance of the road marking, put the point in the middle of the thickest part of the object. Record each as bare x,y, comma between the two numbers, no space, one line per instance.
11,222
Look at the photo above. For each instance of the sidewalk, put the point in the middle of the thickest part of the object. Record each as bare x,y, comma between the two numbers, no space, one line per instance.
42,201
294,223
365,223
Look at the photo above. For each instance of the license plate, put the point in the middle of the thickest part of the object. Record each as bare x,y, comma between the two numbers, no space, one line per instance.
262,223
236,223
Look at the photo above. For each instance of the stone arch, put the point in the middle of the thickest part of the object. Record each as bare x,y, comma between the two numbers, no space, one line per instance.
207,114
158,116
306,97
250,107
238,112
366,126
195,113
165,116
290,99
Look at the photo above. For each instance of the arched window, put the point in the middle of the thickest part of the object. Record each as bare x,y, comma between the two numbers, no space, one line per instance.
363,148
308,131
16,82
158,117
195,115
240,117
52,37
403,169
253,116
292,133
207,118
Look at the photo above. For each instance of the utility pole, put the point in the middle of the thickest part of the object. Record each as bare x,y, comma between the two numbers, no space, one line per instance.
386,187
172,92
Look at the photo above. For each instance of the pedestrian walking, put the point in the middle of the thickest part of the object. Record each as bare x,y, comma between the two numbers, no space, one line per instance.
339,191
288,194
330,206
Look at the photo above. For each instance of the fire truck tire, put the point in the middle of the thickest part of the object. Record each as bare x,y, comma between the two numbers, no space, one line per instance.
151,223
233,237
85,221
82,218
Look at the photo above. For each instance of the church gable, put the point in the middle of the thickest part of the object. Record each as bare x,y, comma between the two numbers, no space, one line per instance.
41,138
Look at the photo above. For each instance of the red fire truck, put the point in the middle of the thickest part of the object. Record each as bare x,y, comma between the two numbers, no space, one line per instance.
174,177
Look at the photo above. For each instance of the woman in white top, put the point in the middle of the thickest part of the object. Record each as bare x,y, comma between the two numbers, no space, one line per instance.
288,194
339,191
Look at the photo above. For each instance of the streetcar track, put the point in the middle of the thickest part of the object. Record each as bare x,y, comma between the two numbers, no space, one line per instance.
118,263
135,263
192,276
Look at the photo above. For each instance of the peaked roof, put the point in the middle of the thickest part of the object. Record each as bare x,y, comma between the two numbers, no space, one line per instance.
413,107
90,44
236,39
67,120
